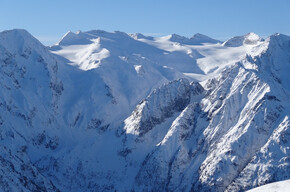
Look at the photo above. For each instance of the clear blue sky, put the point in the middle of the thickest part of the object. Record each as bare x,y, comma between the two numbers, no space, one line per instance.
48,20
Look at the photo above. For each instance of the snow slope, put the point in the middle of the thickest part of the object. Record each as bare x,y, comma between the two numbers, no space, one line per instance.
273,187
199,57
103,111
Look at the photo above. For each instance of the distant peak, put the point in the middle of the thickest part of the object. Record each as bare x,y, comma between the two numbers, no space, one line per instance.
279,35
140,36
251,34
107,35
71,38
100,33
19,37
199,35
69,34
97,31
17,32
248,39
121,33
175,37
197,39
252,37
200,39
64,39
278,39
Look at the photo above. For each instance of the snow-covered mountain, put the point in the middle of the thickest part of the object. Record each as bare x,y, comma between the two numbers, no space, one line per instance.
105,111
248,39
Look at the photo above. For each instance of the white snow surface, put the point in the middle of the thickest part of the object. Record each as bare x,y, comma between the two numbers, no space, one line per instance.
105,111
199,57
281,186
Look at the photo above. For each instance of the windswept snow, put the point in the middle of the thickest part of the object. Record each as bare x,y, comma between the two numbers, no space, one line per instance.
199,57
86,57
281,186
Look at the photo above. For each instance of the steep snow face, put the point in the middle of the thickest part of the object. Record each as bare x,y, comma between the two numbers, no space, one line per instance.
29,78
247,111
18,173
243,103
270,162
159,105
276,59
171,159
211,144
29,98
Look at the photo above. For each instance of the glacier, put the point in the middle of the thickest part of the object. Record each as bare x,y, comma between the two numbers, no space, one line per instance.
111,111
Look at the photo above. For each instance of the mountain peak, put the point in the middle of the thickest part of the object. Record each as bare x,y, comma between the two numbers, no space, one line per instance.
248,39
16,31
199,38
252,38
278,37
178,38
16,34
140,36
71,38
13,40
199,35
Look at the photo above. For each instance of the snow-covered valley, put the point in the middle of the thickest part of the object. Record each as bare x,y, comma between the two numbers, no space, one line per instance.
110,111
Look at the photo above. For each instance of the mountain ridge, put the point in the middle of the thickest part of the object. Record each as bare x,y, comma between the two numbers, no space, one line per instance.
113,111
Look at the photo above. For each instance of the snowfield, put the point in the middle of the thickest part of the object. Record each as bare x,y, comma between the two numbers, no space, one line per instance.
110,111
281,186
